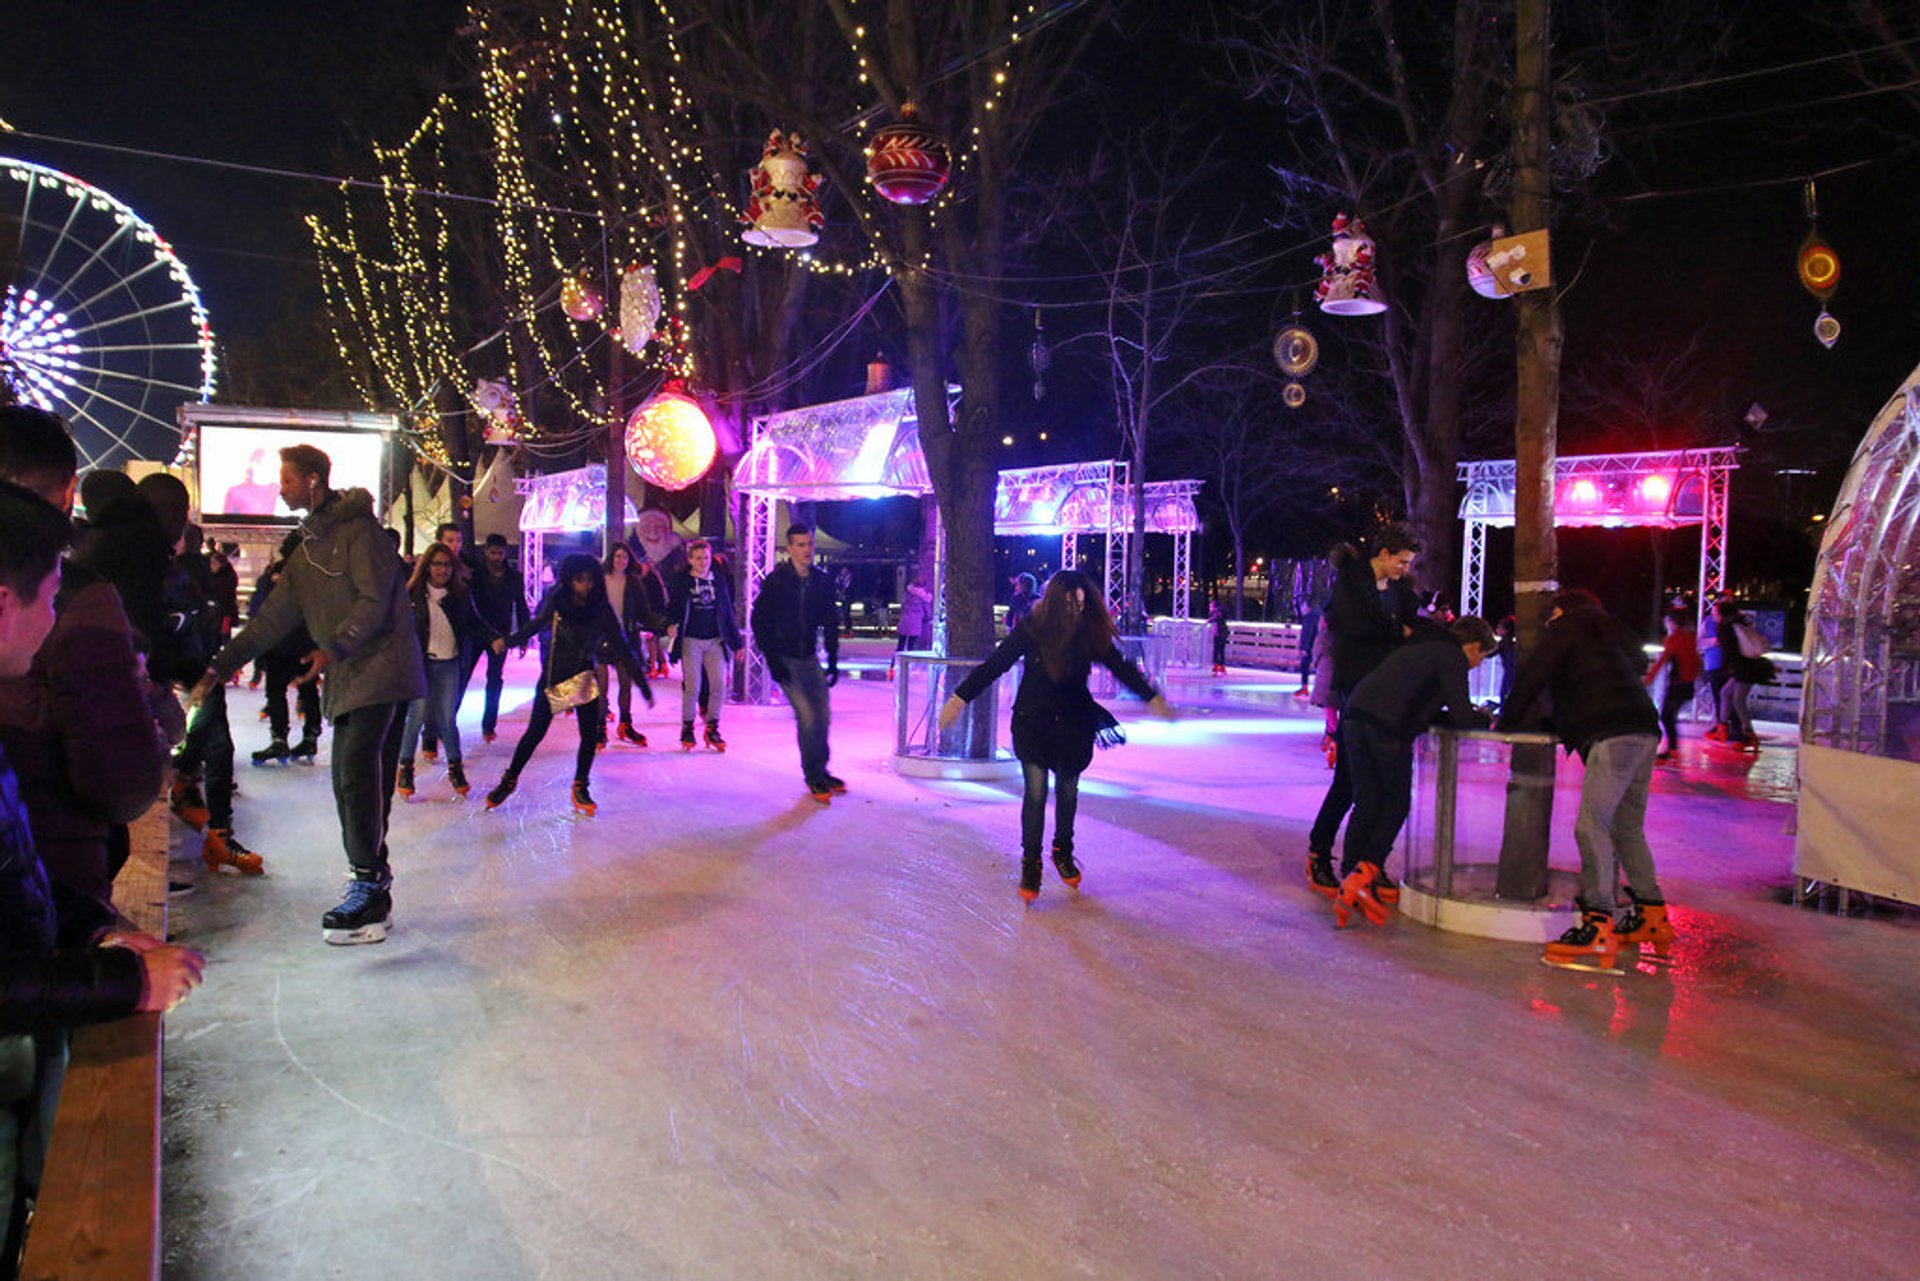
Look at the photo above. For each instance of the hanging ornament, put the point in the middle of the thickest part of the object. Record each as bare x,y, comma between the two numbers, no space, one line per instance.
1296,351
498,412
1294,395
1038,356
670,440
639,308
908,163
1479,275
879,374
580,298
783,210
1826,330
1347,286
1819,269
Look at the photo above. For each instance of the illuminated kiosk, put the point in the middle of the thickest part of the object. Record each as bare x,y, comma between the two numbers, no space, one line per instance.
1455,835
566,502
1860,714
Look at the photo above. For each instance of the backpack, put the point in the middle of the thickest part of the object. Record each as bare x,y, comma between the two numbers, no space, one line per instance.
183,639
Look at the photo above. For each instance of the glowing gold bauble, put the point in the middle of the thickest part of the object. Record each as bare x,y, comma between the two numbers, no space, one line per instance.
579,299
670,442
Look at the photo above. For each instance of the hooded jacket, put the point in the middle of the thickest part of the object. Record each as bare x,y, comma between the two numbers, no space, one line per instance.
1590,663
347,584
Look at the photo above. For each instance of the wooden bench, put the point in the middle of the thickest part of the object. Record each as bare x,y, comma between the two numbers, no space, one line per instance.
98,1214
1273,646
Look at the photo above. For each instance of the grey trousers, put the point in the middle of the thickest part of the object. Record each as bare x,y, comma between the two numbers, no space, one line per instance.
1611,830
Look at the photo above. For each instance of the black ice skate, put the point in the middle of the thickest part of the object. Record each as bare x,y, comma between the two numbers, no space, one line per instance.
362,917
583,799
714,740
1030,877
1064,864
305,750
275,752
686,736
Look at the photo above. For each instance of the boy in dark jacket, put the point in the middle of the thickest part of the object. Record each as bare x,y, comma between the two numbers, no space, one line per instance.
1369,614
1386,712
1590,663
796,605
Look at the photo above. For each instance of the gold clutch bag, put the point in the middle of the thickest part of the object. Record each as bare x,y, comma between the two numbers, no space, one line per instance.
575,691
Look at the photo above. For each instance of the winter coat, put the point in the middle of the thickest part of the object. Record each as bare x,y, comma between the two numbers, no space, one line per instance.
346,583
502,601
680,605
81,736
1367,624
1591,664
916,613
50,976
1054,721
788,613
1406,692
470,631
584,636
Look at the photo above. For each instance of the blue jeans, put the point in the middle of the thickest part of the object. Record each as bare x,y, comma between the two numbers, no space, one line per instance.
441,706
1612,827
366,758
806,689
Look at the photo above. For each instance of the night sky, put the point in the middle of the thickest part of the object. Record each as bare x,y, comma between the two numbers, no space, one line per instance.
306,87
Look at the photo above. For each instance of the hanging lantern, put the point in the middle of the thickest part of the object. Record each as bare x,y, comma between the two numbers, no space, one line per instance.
1826,330
670,441
1819,267
581,299
1347,286
879,374
639,308
908,163
1296,351
783,211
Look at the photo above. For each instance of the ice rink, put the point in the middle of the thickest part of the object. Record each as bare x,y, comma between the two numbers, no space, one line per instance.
719,1031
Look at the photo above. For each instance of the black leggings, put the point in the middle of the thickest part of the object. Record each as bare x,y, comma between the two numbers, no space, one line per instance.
1033,808
592,718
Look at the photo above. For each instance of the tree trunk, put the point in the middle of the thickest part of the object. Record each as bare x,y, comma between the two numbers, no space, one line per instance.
1523,853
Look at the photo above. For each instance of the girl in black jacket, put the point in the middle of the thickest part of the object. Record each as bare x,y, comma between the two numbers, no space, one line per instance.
584,629
1055,719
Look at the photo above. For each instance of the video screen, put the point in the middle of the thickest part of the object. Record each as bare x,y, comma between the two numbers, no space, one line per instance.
240,467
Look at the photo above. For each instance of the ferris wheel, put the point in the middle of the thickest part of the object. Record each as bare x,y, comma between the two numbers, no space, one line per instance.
101,322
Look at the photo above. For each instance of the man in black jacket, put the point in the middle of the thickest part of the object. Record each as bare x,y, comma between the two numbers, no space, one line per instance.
796,605
1383,716
1590,664
1370,613
500,598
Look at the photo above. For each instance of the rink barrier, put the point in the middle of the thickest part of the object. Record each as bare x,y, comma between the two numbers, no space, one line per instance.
976,747
1451,843
98,1216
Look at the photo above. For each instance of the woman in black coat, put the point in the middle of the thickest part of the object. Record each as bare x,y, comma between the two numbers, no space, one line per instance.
1055,719
584,630
449,628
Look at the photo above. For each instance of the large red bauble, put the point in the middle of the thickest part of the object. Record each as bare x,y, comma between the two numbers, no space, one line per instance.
908,163
670,442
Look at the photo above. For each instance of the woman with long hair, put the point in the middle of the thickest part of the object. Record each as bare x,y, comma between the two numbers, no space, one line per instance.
1055,719
583,629
628,598
446,622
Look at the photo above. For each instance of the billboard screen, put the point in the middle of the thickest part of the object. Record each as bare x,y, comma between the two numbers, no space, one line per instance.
240,467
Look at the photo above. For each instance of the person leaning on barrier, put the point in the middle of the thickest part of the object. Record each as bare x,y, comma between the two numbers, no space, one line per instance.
56,969
1390,708
1590,663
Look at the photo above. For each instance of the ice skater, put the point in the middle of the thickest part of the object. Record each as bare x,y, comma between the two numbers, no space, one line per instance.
704,639
584,627
793,617
1055,718
1388,710
448,628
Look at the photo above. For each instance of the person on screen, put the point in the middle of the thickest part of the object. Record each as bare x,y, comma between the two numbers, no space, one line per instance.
255,495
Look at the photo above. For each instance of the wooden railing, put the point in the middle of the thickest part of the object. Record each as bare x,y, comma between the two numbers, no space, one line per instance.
98,1215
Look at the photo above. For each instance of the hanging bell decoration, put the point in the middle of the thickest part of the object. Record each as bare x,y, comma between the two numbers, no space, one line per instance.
580,298
1347,286
639,308
784,211
908,163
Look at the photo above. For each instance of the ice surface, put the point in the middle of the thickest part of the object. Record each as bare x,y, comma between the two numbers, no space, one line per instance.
721,1032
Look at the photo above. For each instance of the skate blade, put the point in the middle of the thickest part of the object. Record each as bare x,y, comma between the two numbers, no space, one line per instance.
1584,967
374,933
